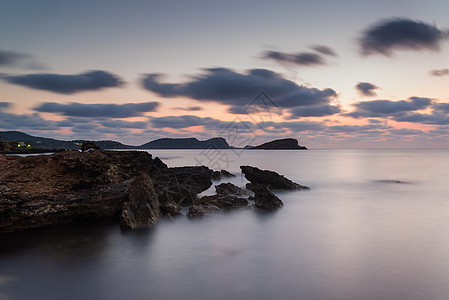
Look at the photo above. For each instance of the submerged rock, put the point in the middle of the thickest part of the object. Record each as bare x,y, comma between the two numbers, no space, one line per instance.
207,205
270,179
263,197
217,175
230,189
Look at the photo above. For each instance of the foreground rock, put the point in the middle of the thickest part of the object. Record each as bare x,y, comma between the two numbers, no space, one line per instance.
270,179
47,190
263,197
226,199
142,207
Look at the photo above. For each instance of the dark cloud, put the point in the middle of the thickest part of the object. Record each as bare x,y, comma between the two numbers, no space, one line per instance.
324,50
314,111
297,126
182,121
12,58
66,84
190,108
25,121
400,34
366,89
239,90
356,128
386,108
124,124
98,110
300,59
5,105
441,72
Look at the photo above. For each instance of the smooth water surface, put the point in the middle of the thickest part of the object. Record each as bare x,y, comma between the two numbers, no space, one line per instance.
375,225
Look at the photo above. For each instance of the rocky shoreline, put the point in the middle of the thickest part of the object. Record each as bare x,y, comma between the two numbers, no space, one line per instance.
131,187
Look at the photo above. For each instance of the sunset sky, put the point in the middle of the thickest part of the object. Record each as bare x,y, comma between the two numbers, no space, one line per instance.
333,74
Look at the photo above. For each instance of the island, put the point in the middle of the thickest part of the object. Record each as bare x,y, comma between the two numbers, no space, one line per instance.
281,144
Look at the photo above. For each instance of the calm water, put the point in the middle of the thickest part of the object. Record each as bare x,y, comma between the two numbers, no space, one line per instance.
357,234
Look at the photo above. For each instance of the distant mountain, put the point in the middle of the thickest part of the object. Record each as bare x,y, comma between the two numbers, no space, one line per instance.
186,143
165,143
36,142
282,144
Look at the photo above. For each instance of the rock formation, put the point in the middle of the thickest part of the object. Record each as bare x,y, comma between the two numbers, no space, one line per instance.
47,190
271,179
282,144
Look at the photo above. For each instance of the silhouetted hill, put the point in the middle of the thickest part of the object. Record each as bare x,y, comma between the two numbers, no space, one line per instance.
282,144
36,142
164,143
186,143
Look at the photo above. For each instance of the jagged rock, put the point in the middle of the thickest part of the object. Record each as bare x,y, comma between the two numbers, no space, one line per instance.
270,179
47,190
217,175
159,163
207,205
142,208
182,184
230,189
86,146
263,197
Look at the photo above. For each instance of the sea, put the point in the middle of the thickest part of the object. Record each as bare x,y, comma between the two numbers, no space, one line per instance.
374,225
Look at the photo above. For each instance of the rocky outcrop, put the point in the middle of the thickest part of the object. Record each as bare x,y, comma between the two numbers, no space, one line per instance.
217,175
282,144
230,189
142,208
226,199
263,197
89,145
47,190
270,179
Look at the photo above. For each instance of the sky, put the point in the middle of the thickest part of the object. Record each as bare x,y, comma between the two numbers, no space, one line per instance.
332,74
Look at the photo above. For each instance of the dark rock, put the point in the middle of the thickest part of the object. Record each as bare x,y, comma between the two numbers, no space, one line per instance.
159,163
86,146
217,175
230,189
207,205
263,197
182,184
270,179
282,144
142,208
47,190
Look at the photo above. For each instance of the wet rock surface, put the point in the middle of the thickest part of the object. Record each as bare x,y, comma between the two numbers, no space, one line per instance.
270,179
263,197
47,190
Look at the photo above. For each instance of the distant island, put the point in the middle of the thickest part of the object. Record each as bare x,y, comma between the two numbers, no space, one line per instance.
16,142
282,144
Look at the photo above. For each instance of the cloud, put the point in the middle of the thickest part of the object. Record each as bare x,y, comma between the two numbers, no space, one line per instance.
324,50
441,72
355,128
98,110
11,58
182,121
25,121
386,108
300,59
189,108
66,84
366,89
400,34
124,124
4,105
238,90
314,111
